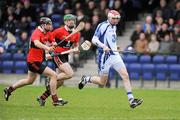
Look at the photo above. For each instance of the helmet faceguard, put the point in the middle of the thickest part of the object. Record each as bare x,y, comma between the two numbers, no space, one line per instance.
46,23
113,17
113,14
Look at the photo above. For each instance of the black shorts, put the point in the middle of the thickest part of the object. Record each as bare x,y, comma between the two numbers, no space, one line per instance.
36,67
60,59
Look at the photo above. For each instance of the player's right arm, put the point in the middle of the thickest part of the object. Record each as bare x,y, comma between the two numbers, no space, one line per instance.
35,38
95,40
38,44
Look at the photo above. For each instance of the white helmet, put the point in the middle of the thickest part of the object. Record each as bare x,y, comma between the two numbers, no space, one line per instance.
114,14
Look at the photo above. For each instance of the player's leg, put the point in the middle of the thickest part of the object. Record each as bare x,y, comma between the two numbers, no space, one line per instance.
121,69
53,84
66,71
102,80
29,80
61,62
46,94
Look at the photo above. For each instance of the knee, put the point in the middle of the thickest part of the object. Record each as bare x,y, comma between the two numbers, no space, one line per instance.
70,74
53,75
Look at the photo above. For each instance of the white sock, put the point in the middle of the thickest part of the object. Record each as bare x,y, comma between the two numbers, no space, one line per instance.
88,79
130,96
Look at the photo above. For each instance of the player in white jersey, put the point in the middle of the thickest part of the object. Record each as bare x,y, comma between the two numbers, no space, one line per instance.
105,38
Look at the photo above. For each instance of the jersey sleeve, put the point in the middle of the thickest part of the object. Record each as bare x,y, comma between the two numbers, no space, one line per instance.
100,30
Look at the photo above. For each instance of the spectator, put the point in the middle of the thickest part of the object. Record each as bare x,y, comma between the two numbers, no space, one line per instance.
141,44
9,39
153,44
157,16
95,21
89,10
176,32
159,22
121,24
163,32
29,11
136,33
102,8
10,25
67,11
111,3
49,7
165,44
60,6
23,25
23,43
167,12
148,26
87,34
177,11
78,6
2,40
171,24
81,16
96,12
127,7
18,11
175,48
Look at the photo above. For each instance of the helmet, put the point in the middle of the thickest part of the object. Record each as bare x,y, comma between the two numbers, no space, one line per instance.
69,17
45,20
114,14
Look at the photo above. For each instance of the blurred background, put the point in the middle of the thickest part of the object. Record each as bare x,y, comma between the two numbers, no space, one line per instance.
150,28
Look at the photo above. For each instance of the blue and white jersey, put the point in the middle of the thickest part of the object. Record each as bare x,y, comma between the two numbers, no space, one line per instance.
106,34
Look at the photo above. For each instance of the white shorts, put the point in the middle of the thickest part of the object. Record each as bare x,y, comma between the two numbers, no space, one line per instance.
107,61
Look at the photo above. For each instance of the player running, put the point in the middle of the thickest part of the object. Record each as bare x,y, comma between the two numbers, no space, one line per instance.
39,38
105,38
63,68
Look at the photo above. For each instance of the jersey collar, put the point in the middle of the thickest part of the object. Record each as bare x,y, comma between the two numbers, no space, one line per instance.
68,28
40,28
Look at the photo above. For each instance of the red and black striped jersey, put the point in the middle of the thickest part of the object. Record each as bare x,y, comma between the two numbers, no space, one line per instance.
59,34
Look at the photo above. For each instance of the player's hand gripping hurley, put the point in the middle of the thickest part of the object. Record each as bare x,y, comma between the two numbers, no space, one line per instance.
85,46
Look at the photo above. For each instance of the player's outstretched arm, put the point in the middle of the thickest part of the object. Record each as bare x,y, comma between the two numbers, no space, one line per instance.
38,44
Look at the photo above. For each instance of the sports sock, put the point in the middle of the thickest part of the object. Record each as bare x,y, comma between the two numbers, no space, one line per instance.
11,89
130,96
88,79
45,95
55,98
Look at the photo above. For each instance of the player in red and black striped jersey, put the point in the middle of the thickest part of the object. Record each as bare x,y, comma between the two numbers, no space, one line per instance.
63,68
39,38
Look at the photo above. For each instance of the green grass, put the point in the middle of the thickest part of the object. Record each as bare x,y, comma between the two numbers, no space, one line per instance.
91,104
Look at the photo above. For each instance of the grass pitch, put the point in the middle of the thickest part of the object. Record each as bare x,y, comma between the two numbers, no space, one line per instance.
91,104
